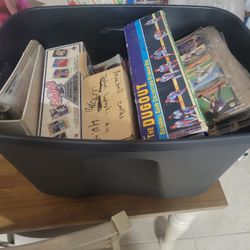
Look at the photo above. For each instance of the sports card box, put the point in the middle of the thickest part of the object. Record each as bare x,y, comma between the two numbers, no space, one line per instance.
60,111
166,106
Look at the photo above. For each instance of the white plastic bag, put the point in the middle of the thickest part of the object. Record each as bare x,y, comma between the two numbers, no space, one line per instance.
237,7
248,5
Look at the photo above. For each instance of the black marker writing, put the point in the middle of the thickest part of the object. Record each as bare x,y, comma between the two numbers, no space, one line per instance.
94,126
122,110
117,82
106,103
103,83
106,127
92,103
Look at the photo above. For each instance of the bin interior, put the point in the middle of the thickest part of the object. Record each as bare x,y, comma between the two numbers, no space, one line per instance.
100,28
76,168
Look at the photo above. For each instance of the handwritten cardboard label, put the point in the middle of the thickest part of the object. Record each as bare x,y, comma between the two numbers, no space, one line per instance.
107,107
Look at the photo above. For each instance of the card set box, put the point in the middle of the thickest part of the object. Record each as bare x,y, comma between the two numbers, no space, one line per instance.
166,105
60,112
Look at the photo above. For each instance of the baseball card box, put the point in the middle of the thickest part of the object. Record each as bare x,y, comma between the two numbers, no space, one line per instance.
165,102
60,111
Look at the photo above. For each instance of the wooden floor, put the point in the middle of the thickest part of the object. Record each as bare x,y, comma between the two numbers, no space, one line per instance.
24,208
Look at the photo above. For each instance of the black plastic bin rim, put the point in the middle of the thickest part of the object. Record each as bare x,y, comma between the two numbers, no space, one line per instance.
137,145
57,7
150,6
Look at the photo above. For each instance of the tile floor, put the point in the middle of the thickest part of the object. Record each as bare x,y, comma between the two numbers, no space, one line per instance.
225,229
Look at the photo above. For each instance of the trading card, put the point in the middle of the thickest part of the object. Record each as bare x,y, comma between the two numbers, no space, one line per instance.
59,111
191,47
218,101
61,73
190,57
58,63
204,73
189,44
58,126
60,52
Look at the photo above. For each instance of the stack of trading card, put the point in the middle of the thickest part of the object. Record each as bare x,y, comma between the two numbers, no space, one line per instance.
60,112
109,64
220,83
166,106
19,96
